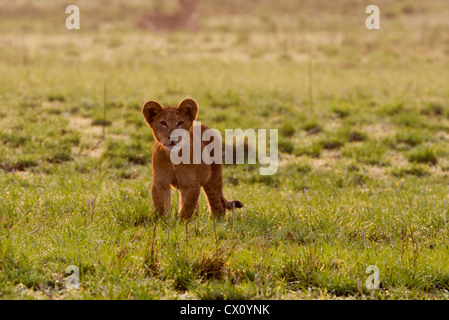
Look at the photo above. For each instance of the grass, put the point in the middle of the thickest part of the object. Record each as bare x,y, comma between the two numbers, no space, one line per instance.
363,165
423,154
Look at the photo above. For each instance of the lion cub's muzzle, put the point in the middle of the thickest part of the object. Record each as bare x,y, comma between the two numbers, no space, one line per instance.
169,143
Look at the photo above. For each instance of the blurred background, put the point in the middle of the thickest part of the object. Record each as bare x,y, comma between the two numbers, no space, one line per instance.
240,29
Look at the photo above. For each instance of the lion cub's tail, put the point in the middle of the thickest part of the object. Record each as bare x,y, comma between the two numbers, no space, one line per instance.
234,204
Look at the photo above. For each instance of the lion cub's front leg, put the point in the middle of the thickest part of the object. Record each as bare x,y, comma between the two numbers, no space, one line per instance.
161,198
189,200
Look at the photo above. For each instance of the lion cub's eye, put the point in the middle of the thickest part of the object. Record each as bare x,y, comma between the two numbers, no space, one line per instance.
179,123
164,123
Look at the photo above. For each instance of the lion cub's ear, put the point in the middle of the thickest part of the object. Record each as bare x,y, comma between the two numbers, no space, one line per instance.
150,110
189,107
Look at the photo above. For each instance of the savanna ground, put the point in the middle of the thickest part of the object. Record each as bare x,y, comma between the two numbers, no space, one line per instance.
364,165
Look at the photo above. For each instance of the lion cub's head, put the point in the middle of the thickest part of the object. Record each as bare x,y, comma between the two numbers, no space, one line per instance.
163,121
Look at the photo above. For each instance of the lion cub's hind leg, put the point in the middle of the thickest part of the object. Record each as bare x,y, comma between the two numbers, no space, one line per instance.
214,195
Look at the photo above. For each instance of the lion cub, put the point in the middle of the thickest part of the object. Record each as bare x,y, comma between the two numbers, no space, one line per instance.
187,178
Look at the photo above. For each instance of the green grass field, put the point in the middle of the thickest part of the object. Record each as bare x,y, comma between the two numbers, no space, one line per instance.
363,175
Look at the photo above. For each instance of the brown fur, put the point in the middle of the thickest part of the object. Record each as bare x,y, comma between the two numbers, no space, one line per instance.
187,178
